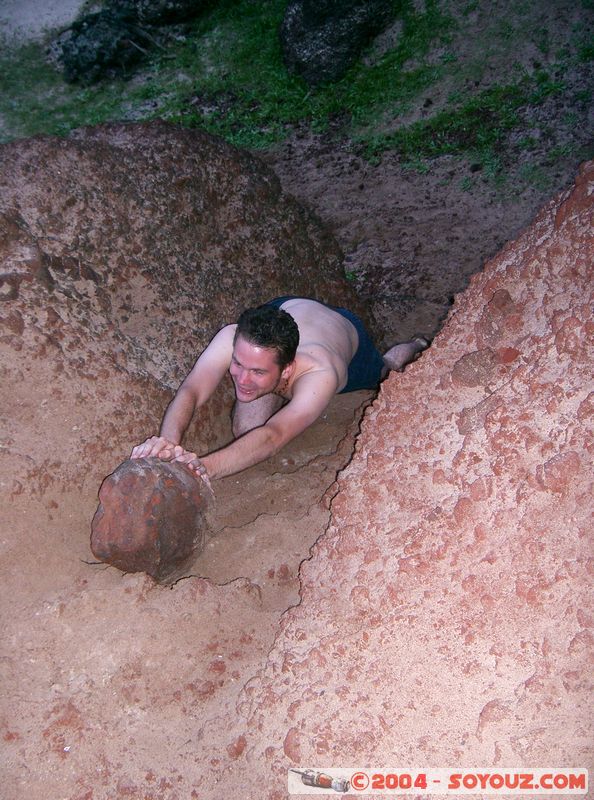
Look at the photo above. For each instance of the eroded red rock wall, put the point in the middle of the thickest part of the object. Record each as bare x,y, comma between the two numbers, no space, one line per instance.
123,249
446,617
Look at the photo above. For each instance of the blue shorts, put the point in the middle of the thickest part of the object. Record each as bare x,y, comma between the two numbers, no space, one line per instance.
367,365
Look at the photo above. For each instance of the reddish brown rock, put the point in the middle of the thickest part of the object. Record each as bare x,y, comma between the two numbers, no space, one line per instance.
446,615
123,249
150,518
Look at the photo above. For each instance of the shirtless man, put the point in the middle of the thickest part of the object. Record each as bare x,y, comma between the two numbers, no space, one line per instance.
287,359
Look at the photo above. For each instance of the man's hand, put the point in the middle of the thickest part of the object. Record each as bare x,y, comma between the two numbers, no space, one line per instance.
166,450
192,461
156,447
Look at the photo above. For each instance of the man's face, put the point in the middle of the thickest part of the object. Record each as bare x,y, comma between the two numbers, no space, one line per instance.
254,370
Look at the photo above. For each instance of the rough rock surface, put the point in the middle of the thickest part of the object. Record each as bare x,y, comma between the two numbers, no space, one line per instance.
124,249
443,618
151,517
99,45
110,41
158,12
446,617
320,40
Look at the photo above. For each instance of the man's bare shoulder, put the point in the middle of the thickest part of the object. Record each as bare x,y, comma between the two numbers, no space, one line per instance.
217,355
321,381
321,365
324,333
225,335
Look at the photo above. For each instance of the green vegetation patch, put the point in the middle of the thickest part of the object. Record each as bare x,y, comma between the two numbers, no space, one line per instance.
227,75
236,49
478,125
35,99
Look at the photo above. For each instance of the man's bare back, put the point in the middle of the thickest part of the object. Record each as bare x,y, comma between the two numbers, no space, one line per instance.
287,359
327,341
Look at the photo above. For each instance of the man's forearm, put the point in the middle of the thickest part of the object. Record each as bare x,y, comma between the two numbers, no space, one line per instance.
178,416
253,447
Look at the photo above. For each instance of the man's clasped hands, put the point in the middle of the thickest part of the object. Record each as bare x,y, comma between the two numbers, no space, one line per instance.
159,447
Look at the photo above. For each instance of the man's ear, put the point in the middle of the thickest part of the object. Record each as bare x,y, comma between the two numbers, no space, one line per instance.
288,370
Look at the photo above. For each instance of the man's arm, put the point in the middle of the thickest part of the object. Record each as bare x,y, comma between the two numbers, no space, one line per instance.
311,394
198,386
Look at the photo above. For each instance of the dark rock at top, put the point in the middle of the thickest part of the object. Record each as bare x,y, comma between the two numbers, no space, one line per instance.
111,42
100,45
322,38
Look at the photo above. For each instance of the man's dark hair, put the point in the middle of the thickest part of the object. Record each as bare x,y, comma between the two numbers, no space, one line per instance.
267,326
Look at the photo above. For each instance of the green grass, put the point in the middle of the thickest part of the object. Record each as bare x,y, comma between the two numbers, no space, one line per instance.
476,125
233,49
228,77
535,176
268,99
35,99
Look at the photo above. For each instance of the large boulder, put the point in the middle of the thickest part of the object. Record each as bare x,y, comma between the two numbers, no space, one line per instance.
321,38
151,517
446,617
124,249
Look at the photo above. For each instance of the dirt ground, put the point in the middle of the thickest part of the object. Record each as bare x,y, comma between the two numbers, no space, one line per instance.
411,240
88,651
29,19
266,539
